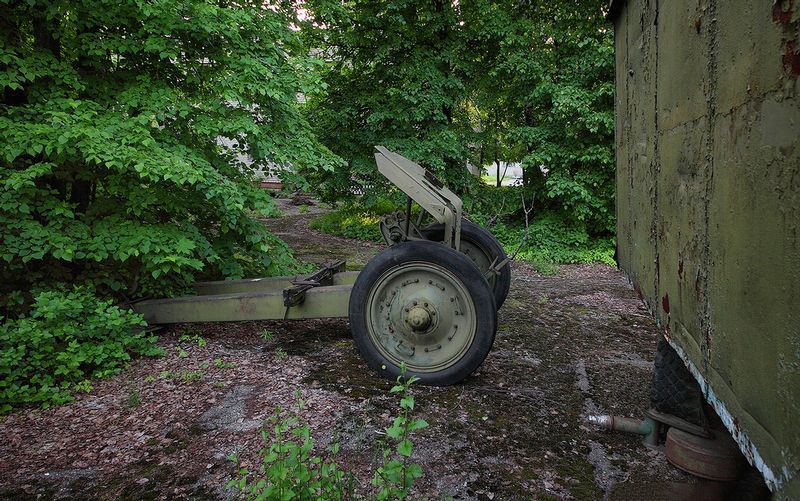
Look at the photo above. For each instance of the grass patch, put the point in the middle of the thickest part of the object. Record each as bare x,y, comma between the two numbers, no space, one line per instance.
349,224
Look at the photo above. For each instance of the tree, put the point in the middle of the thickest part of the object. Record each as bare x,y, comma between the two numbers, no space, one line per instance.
393,79
547,68
112,115
450,82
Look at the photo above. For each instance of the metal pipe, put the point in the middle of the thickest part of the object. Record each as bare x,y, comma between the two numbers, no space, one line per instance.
647,427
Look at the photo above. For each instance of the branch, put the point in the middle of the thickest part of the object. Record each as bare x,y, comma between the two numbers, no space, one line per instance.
527,227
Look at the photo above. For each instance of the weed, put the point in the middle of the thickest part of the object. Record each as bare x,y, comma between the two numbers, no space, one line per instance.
181,352
290,470
134,400
205,365
84,386
543,299
183,376
544,267
219,384
302,209
267,335
149,378
221,364
191,376
281,354
396,476
197,338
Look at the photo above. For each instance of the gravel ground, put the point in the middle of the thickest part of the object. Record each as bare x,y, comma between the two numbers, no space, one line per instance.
571,344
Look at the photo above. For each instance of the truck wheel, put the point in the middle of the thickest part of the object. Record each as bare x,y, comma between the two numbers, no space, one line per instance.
482,248
674,390
424,305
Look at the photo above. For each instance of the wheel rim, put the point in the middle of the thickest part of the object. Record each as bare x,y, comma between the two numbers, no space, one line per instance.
422,315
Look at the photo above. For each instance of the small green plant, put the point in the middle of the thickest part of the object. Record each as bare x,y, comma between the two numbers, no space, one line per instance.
191,376
221,364
181,352
543,299
149,378
396,476
544,267
281,354
303,209
267,335
183,376
195,338
219,384
289,469
84,386
134,400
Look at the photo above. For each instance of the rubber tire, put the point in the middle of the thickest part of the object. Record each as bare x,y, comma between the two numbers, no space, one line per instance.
455,262
483,238
674,390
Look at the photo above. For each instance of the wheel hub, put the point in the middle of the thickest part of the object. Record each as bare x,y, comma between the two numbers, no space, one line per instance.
419,318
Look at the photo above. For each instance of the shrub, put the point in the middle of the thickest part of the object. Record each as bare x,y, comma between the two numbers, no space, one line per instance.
67,338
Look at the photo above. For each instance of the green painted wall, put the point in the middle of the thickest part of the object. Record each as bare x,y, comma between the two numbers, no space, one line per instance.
708,203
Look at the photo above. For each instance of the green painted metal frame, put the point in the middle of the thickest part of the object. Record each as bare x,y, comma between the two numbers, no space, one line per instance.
265,298
252,299
441,203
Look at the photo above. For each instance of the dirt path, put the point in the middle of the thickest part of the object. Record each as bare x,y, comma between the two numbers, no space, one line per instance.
568,345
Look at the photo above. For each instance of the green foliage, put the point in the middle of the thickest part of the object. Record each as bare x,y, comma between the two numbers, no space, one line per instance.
396,476
67,338
552,239
350,224
290,469
447,83
392,80
134,399
124,125
222,365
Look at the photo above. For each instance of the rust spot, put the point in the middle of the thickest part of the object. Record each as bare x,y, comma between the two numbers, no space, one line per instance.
782,13
680,269
697,25
782,16
791,59
665,303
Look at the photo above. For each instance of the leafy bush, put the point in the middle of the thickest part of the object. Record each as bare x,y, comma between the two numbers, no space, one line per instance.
114,116
67,338
290,469
552,239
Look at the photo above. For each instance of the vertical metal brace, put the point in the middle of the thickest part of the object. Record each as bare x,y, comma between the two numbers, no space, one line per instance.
423,187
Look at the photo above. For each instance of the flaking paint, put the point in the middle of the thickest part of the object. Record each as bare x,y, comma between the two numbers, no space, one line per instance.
708,204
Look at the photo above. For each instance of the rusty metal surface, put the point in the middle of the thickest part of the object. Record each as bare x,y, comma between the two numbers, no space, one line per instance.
708,205
712,458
